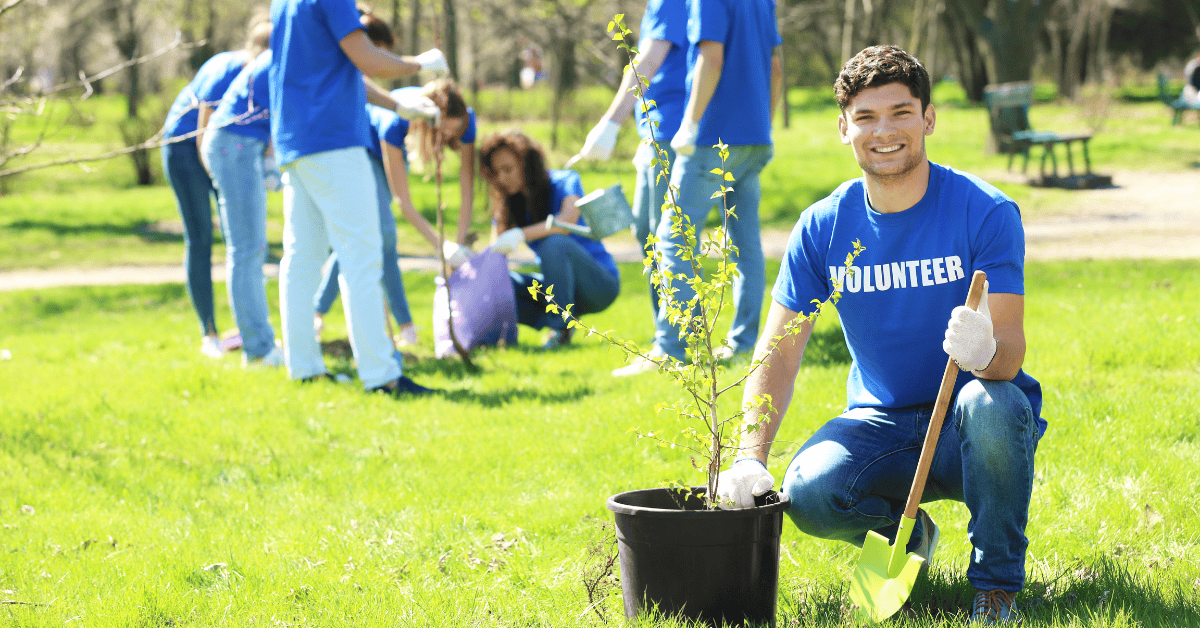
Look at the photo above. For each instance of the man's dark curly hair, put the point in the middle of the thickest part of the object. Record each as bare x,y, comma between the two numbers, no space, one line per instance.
877,66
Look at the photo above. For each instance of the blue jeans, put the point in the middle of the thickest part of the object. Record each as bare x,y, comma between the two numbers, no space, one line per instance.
692,176
854,475
328,199
577,278
648,199
237,166
393,286
194,193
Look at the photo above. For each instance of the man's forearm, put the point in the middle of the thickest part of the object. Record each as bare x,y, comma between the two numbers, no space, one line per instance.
775,378
706,75
645,64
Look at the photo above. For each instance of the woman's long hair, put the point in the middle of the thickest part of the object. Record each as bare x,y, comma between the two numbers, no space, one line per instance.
521,209
420,140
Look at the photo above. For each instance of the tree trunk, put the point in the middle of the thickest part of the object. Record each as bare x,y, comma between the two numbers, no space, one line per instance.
413,36
848,30
450,44
972,67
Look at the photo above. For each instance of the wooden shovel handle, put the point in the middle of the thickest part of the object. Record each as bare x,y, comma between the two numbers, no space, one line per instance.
939,410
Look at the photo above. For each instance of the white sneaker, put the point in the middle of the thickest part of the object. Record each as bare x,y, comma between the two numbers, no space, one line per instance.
640,364
273,359
211,347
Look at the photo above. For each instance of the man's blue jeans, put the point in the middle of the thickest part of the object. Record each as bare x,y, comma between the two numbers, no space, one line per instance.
692,175
853,475
194,194
236,162
393,284
648,199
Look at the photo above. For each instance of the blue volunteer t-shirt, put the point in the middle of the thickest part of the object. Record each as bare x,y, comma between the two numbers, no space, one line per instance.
916,268
665,20
564,183
318,101
245,108
393,129
207,87
739,113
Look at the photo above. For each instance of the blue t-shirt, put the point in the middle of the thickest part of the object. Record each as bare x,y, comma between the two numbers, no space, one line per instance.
318,101
207,87
245,108
564,183
916,268
739,113
665,20
393,129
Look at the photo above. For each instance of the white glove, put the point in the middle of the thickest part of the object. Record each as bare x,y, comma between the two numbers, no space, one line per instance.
644,156
456,254
684,141
272,178
508,241
601,140
433,61
969,336
738,485
411,105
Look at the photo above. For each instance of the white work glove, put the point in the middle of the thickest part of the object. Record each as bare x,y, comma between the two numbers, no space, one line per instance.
738,485
456,254
411,106
508,241
601,140
684,141
969,336
433,60
644,156
272,178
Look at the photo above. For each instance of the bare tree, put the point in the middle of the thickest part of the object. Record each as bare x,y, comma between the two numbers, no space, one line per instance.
558,26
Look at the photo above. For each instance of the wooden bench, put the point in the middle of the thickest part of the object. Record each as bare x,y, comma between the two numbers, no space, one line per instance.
1008,108
1177,103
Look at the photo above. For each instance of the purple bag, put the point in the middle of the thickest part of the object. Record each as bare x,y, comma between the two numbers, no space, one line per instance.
484,306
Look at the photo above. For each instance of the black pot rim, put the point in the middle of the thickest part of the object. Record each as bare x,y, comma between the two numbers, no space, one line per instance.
615,505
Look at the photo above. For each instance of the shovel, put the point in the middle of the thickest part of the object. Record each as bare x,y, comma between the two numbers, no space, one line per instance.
886,573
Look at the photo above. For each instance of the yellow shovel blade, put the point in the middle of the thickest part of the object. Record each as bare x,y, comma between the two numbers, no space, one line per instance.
885,575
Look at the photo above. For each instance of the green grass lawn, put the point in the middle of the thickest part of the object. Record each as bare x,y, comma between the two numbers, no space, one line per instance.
92,216
144,485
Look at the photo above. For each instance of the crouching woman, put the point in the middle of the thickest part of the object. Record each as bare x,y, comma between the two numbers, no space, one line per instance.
523,194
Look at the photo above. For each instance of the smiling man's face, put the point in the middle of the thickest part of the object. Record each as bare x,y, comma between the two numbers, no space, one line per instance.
886,129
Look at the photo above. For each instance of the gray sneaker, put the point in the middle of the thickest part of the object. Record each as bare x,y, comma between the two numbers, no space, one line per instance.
929,538
994,607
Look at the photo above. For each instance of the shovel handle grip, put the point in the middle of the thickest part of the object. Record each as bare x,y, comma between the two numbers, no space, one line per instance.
939,410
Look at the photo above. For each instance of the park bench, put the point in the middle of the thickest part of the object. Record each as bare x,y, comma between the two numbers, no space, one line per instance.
1008,109
1177,103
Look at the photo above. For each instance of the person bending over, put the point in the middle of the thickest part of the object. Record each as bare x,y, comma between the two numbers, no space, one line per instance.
523,194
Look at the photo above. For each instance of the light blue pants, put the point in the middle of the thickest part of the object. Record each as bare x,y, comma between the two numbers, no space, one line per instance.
329,200
194,194
393,285
648,199
236,162
577,277
854,475
692,175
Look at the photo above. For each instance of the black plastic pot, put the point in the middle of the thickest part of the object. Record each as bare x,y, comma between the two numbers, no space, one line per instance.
711,565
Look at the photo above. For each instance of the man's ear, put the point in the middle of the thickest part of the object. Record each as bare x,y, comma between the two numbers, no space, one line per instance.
930,119
843,129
